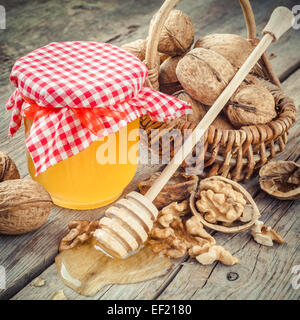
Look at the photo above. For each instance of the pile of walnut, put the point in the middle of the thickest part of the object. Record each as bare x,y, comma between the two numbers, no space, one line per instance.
177,232
202,71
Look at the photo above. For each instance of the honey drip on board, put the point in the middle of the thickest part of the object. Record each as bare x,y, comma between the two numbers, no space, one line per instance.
87,269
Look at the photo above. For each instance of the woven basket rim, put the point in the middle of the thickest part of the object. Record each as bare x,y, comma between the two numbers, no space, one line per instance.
251,145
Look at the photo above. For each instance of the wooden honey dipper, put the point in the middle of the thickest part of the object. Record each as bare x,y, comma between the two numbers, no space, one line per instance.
128,222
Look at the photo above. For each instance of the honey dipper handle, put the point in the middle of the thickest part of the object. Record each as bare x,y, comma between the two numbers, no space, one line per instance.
281,21
272,33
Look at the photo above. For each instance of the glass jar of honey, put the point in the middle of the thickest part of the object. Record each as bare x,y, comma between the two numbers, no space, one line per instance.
81,102
95,176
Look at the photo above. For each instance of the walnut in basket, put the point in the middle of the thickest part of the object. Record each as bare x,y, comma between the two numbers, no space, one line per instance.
199,111
233,47
204,74
177,34
137,48
251,104
198,108
168,82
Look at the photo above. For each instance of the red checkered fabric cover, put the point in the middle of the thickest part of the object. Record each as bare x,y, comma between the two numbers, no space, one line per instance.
81,74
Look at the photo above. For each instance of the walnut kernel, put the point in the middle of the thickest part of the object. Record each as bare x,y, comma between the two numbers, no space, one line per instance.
80,231
217,253
175,235
265,235
219,202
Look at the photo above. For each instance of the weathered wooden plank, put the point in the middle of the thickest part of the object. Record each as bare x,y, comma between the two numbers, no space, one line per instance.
177,285
120,22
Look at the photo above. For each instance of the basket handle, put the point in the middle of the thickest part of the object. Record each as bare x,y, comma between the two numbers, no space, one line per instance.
152,43
156,28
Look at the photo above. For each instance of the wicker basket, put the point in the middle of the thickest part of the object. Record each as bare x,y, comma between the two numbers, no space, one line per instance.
234,154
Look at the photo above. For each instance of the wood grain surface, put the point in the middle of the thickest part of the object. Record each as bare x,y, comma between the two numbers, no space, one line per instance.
263,273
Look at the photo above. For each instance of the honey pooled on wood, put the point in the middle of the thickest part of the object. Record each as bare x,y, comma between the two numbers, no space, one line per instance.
86,269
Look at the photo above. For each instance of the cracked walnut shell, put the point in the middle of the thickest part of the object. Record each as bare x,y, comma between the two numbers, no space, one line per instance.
177,188
221,200
281,179
177,34
204,74
8,169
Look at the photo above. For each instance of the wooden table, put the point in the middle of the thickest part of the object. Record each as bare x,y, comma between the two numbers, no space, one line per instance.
263,272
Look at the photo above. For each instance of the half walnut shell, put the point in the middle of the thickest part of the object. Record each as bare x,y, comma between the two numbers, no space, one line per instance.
235,203
281,179
178,188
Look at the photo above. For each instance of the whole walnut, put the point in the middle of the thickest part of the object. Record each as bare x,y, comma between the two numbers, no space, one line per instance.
8,169
233,47
204,74
221,122
163,57
251,104
24,206
199,111
137,48
198,108
177,34
168,82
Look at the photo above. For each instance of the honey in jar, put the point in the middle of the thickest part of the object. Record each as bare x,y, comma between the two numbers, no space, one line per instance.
93,177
